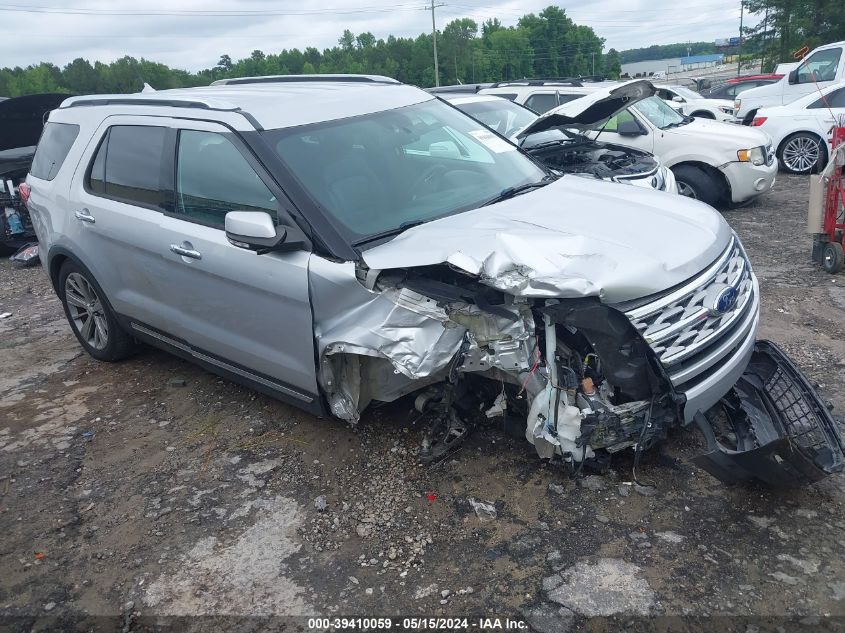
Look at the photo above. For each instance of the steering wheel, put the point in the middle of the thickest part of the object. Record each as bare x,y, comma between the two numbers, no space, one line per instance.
427,176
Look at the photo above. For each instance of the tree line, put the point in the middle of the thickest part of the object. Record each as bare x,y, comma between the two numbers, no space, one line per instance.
548,44
786,26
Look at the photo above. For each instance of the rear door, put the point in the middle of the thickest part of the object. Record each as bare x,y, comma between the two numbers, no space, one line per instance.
246,313
119,193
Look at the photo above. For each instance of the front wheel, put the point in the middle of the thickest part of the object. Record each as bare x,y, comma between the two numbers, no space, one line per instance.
801,153
694,182
90,316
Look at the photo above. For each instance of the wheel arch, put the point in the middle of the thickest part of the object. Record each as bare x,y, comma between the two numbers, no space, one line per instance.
717,175
704,114
56,259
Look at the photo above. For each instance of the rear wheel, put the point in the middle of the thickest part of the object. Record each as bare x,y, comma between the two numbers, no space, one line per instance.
90,316
833,257
801,153
694,182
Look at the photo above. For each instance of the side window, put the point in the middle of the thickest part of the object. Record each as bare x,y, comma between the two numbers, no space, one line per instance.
128,166
835,99
541,102
614,121
52,149
821,66
213,178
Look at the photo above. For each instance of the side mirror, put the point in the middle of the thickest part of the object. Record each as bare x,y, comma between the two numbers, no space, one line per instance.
678,99
255,231
793,76
629,128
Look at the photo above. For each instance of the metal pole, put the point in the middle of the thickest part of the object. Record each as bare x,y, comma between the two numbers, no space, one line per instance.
765,38
594,63
434,39
741,15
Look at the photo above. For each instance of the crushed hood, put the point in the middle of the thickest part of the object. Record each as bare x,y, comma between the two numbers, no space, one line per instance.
589,110
573,238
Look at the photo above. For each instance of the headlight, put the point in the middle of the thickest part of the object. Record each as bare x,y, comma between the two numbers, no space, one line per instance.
737,104
726,109
755,155
658,181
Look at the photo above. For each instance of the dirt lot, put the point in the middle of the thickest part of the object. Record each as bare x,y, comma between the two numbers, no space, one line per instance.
125,496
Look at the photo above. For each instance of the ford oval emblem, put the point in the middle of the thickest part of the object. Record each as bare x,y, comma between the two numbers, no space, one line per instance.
723,301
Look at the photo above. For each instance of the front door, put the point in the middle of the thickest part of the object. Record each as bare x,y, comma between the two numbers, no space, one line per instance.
247,313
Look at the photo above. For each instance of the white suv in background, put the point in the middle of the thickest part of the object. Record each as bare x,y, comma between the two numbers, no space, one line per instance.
715,162
692,104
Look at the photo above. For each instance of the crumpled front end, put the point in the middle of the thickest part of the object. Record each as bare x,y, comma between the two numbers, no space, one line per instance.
582,378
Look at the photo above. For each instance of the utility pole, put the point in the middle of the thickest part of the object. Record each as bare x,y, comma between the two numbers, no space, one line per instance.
434,39
594,63
765,38
741,15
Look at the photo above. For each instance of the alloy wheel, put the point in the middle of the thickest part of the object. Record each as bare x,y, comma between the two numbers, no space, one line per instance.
86,311
801,154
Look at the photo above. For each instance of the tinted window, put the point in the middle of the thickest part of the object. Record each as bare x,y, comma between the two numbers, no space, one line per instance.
213,178
820,66
835,99
53,148
541,103
129,165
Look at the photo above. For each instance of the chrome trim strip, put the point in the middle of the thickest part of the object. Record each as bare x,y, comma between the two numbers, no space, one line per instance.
223,365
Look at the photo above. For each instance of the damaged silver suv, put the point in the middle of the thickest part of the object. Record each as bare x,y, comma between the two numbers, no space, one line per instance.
338,240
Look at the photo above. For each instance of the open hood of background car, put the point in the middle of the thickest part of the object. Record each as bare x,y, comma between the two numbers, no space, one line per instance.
22,118
587,111
555,242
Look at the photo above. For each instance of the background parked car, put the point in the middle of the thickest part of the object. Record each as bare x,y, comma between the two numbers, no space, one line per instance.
569,150
21,123
823,67
800,130
691,103
729,89
712,161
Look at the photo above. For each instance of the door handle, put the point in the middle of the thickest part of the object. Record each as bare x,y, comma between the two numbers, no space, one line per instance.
185,252
84,215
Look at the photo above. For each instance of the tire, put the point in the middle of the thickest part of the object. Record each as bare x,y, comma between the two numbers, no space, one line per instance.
704,115
801,153
90,316
694,182
833,257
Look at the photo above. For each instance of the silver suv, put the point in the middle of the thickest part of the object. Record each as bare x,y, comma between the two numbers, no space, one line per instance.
334,241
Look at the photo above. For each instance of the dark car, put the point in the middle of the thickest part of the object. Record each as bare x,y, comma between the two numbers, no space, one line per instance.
730,89
21,123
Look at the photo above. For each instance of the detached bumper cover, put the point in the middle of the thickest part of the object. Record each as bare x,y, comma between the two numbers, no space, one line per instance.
748,181
775,427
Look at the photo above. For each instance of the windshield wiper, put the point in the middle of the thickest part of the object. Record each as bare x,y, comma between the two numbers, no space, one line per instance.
510,192
684,121
389,232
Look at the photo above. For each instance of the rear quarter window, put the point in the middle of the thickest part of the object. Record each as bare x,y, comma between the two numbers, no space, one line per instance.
53,148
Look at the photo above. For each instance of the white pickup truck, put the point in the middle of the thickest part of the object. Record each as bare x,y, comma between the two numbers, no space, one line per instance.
823,67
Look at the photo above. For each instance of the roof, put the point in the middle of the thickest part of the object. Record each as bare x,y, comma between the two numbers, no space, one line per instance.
263,79
459,98
702,59
270,104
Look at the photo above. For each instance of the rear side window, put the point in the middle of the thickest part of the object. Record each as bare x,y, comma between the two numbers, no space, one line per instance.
541,103
835,99
129,166
52,150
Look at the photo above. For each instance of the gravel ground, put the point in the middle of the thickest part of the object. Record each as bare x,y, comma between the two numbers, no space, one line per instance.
125,498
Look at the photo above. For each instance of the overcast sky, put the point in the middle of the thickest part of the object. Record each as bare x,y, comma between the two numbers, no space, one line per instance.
183,34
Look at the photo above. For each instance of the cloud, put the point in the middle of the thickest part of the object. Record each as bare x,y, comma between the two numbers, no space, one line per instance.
166,32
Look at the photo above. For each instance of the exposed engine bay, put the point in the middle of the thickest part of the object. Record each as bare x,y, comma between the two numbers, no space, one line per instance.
581,155
574,375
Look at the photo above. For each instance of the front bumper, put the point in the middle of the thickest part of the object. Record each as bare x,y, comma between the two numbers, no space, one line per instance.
747,181
773,427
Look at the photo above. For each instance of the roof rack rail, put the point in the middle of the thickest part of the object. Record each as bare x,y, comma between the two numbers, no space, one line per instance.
272,79
539,81
170,103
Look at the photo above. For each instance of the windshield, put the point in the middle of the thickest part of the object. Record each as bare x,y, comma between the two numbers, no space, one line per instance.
382,171
506,117
658,112
686,93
